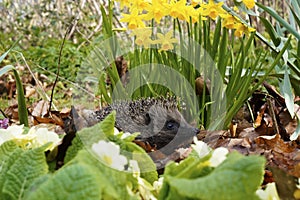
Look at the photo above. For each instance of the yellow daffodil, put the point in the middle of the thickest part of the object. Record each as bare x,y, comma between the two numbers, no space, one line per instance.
194,3
124,3
249,3
140,5
157,10
229,21
194,14
212,9
241,29
134,19
166,41
178,10
143,37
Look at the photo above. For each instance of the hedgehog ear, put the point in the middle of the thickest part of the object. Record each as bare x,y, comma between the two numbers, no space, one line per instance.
147,119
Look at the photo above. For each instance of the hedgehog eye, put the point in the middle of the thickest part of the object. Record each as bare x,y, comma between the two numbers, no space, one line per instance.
170,125
147,119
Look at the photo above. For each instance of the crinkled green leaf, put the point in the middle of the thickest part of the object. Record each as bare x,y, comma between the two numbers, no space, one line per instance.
6,150
73,149
90,135
21,169
78,181
7,159
115,182
238,177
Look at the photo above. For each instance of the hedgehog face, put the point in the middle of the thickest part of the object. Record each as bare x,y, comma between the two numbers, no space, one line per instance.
166,127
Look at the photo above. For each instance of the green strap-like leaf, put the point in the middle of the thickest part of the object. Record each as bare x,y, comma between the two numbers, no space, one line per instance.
22,109
284,23
271,31
287,92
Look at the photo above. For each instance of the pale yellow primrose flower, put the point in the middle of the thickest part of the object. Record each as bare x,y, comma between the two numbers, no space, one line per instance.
157,185
202,149
15,133
11,132
43,136
36,137
270,193
145,187
218,156
109,153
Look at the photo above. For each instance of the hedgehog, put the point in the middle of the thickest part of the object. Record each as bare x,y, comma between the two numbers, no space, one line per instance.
158,120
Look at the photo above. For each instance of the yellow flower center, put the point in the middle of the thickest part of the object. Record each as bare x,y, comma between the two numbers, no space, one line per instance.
107,159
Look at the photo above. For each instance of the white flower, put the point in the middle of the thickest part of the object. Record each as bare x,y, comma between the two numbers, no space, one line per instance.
116,131
15,133
201,148
218,156
43,136
270,193
157,185
35,137
125,135
134,167
109,153
12,132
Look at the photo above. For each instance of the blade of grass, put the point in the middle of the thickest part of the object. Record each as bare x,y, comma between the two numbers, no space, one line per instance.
22,109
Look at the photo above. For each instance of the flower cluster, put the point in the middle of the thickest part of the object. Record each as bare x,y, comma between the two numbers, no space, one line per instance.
143,38
35,137
141,11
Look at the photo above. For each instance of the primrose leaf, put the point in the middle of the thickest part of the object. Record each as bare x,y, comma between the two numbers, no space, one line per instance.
71,182
6,150
238,177
116,183
21,169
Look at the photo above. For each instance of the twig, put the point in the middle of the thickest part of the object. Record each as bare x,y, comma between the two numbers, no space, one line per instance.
58,67
272,113
2,112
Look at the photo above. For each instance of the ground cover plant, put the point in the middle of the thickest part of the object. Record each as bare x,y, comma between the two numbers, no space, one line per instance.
224,62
